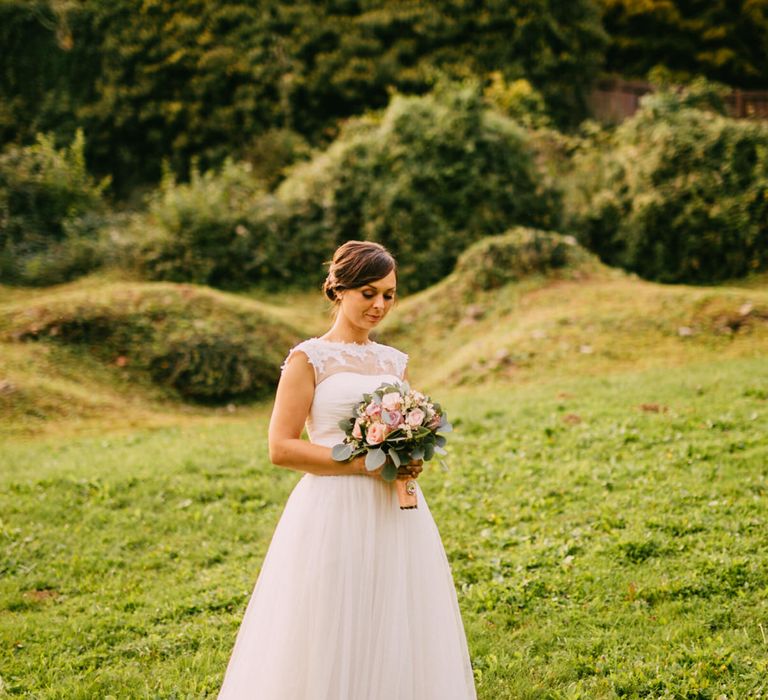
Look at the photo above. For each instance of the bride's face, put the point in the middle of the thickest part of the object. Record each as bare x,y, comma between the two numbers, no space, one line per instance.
366,306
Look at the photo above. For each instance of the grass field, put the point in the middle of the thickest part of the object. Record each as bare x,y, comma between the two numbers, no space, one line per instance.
604,512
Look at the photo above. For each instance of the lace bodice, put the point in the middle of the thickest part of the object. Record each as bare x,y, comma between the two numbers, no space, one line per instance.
343,373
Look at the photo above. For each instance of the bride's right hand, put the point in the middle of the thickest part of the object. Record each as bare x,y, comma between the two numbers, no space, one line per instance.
404,471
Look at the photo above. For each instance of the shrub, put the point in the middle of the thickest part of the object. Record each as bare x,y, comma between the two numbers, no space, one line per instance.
426,179
518,100
171,80
516,254
51,211
485,267
678,193
272,152
199,231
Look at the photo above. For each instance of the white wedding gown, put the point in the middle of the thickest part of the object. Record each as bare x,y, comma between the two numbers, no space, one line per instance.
355,598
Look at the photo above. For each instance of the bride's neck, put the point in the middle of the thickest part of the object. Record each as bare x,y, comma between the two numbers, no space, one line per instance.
344,332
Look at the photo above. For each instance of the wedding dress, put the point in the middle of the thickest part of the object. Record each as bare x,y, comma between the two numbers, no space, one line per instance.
355,599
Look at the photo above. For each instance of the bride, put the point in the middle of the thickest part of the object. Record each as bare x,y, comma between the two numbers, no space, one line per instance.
355,599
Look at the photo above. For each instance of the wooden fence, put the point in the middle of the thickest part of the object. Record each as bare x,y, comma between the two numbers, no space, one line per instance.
614,100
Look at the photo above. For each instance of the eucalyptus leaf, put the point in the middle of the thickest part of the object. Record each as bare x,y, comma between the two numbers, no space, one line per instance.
342,452
389,473
440,450
429,451
374,459
395,457
417,453
440,440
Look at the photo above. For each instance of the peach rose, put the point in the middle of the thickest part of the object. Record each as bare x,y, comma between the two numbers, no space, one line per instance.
375,434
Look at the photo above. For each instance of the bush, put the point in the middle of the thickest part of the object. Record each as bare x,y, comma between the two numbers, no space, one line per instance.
517,100
426,179
498,260
51,211
678,193
518,255
200,231
203,346
272,152
174,81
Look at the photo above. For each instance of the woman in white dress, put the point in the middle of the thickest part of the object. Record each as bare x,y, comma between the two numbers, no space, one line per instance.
355,599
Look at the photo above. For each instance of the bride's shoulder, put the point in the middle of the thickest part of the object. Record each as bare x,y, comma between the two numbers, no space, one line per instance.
309,347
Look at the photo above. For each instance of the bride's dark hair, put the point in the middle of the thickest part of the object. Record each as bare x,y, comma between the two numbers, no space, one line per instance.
356,263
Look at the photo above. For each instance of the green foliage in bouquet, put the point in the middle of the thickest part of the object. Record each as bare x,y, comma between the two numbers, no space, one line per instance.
404,441
51,212
678,193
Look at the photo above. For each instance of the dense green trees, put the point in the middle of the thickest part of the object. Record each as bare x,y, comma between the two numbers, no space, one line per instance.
723,40
158,79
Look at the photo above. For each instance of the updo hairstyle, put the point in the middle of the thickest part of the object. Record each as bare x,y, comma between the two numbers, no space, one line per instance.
356,263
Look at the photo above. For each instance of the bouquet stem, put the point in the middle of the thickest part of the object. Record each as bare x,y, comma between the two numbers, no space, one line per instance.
406,493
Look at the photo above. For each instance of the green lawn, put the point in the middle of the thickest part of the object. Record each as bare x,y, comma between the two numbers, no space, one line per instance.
599,549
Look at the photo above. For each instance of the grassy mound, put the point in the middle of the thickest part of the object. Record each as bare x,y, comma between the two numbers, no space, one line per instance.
521,255
194,343
531,304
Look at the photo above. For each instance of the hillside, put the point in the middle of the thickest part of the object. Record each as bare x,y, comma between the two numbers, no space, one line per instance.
525,307
574,317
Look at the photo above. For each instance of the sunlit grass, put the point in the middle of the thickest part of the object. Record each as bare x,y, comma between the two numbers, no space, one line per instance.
606,537
603,511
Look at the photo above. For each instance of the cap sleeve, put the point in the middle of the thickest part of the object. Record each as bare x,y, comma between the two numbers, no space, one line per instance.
400,360
310,350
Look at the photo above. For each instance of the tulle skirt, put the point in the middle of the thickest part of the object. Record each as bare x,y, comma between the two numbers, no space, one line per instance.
354,601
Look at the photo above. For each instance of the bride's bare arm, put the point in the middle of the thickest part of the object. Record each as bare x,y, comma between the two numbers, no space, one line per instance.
293,400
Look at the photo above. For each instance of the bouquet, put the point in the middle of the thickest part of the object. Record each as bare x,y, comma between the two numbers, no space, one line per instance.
391,426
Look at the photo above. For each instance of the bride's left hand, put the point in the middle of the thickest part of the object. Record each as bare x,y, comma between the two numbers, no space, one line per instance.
410,470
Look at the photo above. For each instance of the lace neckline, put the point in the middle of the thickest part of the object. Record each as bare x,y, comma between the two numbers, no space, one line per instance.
351,343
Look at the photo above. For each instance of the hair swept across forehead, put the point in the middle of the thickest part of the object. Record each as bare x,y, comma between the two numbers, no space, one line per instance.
357,263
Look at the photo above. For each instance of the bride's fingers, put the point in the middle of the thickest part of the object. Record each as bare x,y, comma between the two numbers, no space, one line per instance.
409,471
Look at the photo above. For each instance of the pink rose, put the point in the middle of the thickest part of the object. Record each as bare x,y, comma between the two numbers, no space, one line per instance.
415,417
392,418
375,434
392,401
435,422
356,430
372,410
